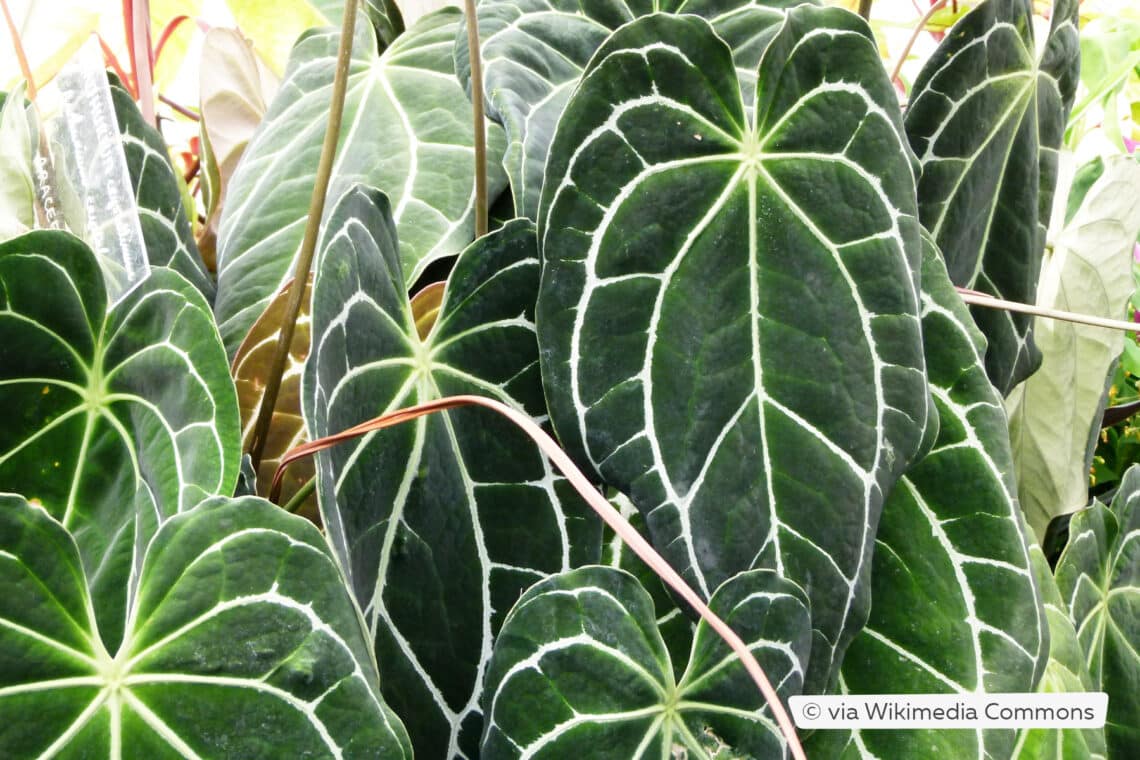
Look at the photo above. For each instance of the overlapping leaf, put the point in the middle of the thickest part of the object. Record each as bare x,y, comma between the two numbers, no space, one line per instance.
441,522
1054,415
956,607
1099,577
115,421
1066,673
407,130
165,227
580,664
17,189
383,14
986,118
250,367
534,53
707,277
243,642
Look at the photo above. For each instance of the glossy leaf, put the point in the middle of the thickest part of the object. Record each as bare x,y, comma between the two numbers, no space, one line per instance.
118,420
955,605
242,642
1054,415
442,522
1066,673
703,272
406,130
165,227
1099,578
986,117
287,429
580,664
534,53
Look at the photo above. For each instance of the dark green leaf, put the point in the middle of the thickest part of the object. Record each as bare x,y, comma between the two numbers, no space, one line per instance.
1099,577
440,523
116,420
580,664
242,642
986,118
729,306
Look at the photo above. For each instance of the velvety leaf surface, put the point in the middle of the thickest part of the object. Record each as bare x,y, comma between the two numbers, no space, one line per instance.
406,130
534,52
1054,415
115,421
243,642
580,664
706,279
441,522
1099,578
986,117
1066,673
165,227
956,607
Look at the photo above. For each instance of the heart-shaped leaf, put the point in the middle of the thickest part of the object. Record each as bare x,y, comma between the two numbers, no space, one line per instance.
119,420
703,273
955,607
534,53
1053,415
406,130
243,642
165,227
986,118
442,522
1099,577
580,664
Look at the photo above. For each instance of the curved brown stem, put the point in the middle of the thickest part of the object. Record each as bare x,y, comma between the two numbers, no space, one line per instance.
922,22
597,501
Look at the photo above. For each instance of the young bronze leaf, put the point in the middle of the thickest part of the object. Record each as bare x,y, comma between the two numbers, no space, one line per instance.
442,522
287,429
708,277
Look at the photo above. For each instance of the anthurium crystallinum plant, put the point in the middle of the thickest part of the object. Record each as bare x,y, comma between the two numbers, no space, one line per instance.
725,277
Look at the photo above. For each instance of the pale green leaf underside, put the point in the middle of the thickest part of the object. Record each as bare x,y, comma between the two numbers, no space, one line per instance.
243,642
702,273
580,664
1099,578
441,522
534,52
406,130
125,418
1053,414
986,117
955,607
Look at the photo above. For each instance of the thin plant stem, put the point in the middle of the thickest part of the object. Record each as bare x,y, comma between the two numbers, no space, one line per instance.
143,59
605,510
18,47
302,494
481,206
990,302
179,108
309,244
110,60
167,33
865,9
922,22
